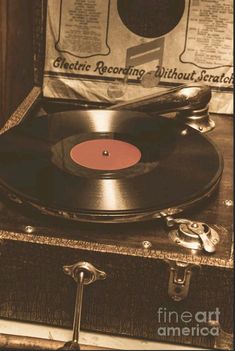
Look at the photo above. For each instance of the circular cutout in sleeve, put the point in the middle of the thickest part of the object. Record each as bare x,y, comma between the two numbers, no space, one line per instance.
150,18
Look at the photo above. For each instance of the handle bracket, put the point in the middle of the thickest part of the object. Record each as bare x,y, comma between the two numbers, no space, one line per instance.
91,274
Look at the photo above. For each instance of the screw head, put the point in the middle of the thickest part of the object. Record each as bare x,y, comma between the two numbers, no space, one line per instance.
184,132
228,203
63,213
194,225
29,229
146,244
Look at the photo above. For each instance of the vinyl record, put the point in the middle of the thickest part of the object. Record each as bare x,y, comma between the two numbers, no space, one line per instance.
103,165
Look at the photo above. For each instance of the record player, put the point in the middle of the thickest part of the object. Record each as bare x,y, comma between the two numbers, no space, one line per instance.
124,196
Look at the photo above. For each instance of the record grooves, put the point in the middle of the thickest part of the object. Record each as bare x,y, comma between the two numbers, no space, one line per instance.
108,165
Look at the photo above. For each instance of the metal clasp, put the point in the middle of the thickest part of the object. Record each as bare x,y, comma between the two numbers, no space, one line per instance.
193,235
179,281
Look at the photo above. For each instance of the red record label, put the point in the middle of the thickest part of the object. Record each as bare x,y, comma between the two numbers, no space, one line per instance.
105,154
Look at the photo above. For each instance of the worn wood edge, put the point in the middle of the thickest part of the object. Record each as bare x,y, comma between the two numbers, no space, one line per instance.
19,342
115,249
3,36
95,339
40,8
22,109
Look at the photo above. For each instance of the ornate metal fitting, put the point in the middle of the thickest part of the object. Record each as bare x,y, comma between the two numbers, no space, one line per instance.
179,281
193,235
91,274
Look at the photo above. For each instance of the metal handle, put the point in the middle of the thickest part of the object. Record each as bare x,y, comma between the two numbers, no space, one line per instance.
83,273
185,97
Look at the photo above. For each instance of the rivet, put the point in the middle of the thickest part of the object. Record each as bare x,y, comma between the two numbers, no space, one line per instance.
146,244
228,203
195,225
64,214
201,129
29,229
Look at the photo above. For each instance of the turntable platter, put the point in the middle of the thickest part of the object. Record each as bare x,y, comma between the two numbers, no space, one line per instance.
103,165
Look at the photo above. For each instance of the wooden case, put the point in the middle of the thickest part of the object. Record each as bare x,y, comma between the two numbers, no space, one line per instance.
140,261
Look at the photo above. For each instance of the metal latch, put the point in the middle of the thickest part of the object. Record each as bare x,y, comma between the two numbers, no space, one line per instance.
179,281
193,235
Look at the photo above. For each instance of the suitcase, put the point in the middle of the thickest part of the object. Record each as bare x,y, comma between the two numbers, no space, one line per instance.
150,287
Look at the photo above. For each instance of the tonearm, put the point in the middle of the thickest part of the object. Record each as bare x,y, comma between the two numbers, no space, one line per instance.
189,102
